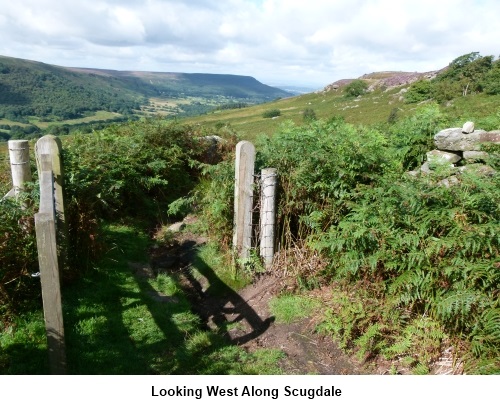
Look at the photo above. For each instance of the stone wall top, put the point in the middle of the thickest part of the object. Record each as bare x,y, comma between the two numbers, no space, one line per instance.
454,139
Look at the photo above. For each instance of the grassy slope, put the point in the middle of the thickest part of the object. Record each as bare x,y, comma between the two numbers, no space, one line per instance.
371,108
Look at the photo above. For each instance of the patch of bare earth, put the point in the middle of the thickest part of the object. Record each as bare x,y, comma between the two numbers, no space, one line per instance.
306,352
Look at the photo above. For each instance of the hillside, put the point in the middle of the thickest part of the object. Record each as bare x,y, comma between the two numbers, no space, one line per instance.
34,91
468,88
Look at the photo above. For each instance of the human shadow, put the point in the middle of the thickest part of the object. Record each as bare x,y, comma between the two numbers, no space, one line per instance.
218,303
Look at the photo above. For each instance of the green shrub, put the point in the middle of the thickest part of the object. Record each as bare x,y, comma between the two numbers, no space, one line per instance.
319,167
18,254
356,88
271,113
435,248
419,91
309,115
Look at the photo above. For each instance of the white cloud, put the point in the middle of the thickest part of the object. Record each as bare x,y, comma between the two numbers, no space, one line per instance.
315,41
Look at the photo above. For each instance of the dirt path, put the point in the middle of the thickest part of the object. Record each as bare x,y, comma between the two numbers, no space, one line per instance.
245,314
306,352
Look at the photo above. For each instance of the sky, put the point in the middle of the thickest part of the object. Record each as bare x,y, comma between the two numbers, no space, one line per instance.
279,42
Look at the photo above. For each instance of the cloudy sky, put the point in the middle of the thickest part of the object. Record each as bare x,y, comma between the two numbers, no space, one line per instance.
294,42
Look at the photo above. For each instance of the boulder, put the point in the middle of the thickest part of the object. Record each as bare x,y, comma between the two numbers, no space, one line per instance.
440,157
480,169
212,153
425,168
453,139
474,156
468,127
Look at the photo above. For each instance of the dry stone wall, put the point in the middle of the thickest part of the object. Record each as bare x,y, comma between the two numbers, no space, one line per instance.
459,148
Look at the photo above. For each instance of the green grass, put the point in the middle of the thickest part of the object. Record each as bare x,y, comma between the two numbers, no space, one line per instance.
209,257
290,308
114,324
97,116
371,108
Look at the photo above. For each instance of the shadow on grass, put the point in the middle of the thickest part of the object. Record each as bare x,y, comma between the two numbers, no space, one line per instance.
24,358
119,322
221,304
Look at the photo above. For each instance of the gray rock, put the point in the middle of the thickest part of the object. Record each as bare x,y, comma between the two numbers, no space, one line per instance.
474,156
468,127
449,181
212,153
453,139
440,157
425,168
484,170
177,227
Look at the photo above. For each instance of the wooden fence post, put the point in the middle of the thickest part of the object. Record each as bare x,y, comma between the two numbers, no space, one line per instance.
243,199
19,155
51,145
46,239
267,215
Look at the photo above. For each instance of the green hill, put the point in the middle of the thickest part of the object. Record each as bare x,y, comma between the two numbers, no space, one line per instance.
34,91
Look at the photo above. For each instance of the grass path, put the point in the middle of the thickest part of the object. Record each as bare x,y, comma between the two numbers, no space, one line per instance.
117,321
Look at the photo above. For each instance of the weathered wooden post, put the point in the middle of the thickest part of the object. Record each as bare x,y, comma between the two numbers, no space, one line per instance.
19,154
45,227
51,145
243,199
267,214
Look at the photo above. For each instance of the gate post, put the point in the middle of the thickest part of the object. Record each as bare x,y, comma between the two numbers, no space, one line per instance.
46,239
267,215
243,199
19,155
51,145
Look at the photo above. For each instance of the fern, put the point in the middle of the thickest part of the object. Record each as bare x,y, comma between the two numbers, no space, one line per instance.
458,308
369,341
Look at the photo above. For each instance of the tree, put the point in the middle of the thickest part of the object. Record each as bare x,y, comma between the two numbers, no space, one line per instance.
491,81
356,88
468,71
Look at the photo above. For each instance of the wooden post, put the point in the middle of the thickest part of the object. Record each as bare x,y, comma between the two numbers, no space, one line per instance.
51,145
243,199
19,155
267,215
45,227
